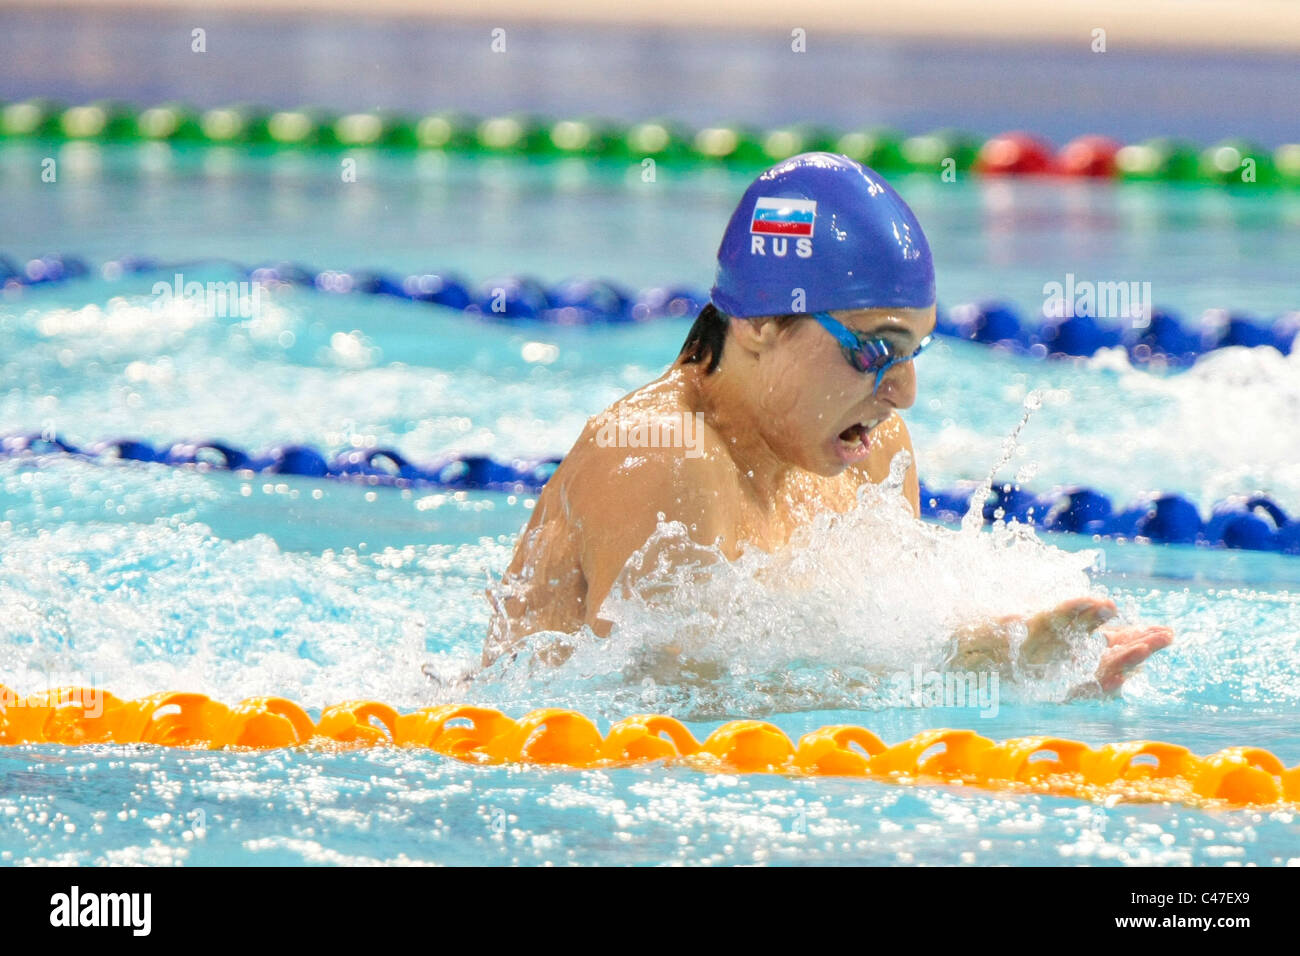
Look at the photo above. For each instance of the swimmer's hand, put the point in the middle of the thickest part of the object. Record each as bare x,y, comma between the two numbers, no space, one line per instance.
988,644
1052,633
1128,647
1049,639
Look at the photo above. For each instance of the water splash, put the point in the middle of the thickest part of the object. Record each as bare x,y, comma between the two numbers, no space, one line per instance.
140,607
1229,425
830,620
973,520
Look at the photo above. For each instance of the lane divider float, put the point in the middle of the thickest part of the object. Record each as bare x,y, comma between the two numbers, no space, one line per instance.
1245,522
1155,338
1229,162
1131,771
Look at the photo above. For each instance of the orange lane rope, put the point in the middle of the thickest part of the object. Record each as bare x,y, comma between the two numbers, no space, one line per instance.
1139,770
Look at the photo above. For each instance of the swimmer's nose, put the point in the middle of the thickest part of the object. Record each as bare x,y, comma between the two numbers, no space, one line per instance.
898,387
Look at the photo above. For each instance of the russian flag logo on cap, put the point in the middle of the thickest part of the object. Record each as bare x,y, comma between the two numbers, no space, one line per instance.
784,217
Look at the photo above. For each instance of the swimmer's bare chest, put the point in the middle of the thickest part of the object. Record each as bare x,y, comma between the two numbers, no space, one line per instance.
755,523
550,589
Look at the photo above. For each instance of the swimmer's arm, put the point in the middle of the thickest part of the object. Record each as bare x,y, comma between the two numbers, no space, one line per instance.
618,508
542,586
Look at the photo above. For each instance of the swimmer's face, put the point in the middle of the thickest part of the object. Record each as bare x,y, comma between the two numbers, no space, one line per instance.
821,413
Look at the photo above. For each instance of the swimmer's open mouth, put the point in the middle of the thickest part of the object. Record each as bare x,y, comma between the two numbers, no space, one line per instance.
853,434
857,432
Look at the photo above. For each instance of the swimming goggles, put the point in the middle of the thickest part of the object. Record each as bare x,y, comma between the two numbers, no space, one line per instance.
866,354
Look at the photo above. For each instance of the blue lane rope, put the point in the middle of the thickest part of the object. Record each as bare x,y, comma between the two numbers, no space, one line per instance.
1160,339
380,467
1248,522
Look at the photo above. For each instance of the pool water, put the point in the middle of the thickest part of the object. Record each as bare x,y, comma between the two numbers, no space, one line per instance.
140,577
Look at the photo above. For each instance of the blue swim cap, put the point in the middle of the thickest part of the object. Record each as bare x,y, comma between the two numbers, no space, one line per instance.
835,229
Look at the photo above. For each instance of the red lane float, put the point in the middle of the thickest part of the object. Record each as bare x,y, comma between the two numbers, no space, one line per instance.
1092,156
1015,154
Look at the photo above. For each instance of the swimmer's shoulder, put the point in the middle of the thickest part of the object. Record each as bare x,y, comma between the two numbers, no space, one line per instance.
889,439
651,450
629,444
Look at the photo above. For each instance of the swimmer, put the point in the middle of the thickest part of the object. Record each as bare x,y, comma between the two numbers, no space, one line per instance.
784,400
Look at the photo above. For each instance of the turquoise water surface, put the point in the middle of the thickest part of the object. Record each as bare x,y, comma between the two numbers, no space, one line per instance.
140,577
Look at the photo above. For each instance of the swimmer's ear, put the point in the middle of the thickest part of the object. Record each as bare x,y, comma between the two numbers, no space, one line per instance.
755,335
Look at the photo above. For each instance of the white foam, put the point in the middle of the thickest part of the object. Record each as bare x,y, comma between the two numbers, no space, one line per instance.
829,620
1229,425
